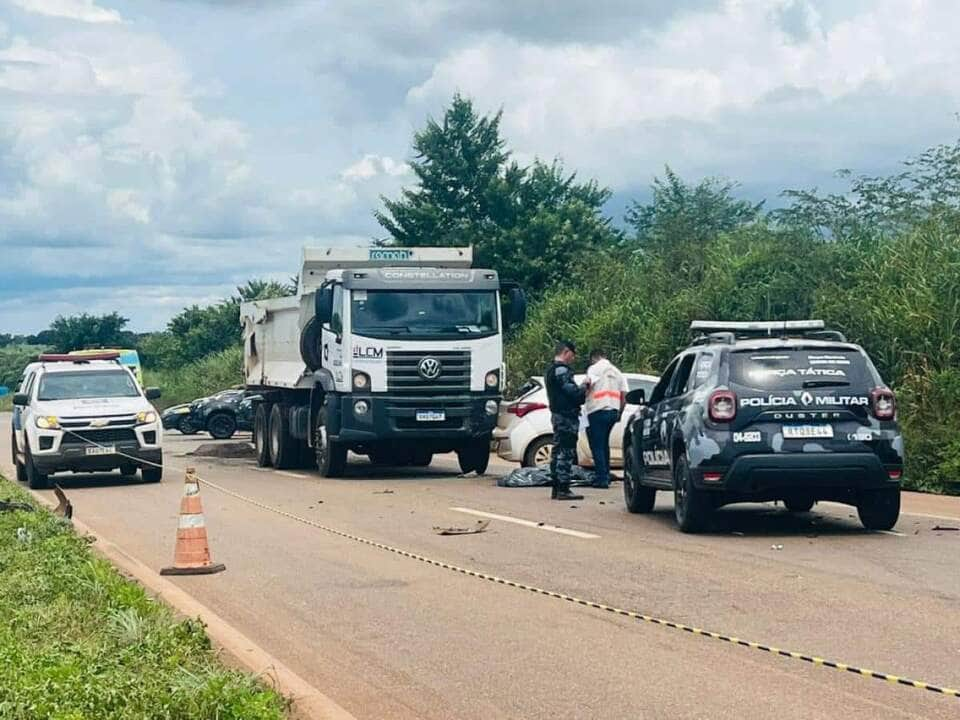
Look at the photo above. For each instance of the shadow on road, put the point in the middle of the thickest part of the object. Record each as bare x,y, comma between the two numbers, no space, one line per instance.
770,521
78,481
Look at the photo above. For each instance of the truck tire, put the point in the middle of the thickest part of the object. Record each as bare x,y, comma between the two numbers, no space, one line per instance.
691,506
474,456
36,480
310,351
879,509
638,497
331,456
283,446
221,426
261,424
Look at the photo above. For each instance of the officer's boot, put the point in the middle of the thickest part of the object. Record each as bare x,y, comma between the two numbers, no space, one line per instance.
562,492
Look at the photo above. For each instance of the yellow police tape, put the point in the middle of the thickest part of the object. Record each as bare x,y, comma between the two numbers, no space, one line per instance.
822,662
813,660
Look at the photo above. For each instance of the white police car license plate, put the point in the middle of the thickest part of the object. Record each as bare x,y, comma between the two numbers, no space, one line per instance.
431,416
805,432
108,450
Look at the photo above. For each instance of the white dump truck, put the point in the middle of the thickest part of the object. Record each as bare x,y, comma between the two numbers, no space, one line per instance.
393,353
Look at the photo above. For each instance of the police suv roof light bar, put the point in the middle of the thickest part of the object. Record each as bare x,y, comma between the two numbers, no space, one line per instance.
770,328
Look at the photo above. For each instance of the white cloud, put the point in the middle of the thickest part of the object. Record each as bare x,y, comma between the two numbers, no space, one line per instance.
82,10
371,166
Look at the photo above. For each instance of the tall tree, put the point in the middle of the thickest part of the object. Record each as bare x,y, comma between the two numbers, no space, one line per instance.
77,332
533,224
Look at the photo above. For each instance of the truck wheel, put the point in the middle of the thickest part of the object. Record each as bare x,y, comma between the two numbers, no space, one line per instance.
36,480
283,446
151,474
638,498
475,456
331,456
691,505
879,509
799,503
539,452
261,423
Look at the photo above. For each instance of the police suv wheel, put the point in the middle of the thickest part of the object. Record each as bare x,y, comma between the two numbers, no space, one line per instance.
879,509
152,474
691,506
799,504
638,498
36,480
539,453
261,443
186,426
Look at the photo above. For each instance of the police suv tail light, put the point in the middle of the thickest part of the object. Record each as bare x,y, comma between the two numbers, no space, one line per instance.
722,406
884,403
525,408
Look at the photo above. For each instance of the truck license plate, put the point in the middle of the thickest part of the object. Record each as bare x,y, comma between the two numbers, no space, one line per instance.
804,432
108,450
431,416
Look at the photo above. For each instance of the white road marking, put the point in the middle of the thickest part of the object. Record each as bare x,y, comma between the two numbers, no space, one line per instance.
953,518
528,523
293,475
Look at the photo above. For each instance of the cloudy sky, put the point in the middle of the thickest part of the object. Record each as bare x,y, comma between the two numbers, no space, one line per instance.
156,153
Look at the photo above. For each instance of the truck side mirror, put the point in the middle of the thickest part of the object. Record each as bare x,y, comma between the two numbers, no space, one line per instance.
152,393
636,397
323,304
21,399
518,307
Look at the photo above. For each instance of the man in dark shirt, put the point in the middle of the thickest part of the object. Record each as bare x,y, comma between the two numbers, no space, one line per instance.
565,397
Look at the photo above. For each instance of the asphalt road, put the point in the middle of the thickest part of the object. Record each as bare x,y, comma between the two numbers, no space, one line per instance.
390,637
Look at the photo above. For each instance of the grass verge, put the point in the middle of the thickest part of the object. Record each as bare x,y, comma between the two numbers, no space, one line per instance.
80,642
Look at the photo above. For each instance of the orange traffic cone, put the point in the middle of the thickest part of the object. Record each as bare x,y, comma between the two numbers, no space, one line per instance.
192,553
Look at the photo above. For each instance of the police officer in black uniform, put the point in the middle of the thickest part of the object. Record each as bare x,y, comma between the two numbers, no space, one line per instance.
565,397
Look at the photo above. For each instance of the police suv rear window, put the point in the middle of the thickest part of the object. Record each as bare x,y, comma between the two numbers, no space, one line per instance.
784,369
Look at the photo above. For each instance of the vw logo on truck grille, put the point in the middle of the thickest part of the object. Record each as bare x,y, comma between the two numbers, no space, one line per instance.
429,368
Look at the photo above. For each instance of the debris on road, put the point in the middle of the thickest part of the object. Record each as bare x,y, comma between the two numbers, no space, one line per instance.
383,492
24,536
225,450
540,477
6,506
776,547
64,507
478,528
950,529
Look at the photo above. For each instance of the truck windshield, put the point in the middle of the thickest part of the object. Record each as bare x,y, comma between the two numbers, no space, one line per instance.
74,386
384,312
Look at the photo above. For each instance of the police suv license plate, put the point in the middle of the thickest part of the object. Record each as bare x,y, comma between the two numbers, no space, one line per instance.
106,450
806,432
431,416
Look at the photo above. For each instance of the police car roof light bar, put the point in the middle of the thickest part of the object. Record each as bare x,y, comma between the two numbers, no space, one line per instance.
60,357
770,328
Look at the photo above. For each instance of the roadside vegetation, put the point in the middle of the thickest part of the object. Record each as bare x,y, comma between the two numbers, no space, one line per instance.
879,261
79,642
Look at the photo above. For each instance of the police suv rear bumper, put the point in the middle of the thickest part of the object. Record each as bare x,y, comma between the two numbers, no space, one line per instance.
770,476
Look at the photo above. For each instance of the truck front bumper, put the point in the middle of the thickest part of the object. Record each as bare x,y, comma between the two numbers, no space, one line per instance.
397,417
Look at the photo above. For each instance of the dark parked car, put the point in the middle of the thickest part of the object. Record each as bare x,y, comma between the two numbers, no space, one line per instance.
223,413
179,417
754,412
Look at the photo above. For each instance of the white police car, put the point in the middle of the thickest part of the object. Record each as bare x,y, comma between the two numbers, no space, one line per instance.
84,414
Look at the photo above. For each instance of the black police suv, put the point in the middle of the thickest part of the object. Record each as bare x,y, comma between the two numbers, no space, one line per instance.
754,412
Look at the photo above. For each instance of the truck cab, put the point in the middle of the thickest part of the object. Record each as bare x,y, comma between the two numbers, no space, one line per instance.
399,355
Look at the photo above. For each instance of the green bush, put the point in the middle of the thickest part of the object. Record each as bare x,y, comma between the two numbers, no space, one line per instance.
78,641
215,372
